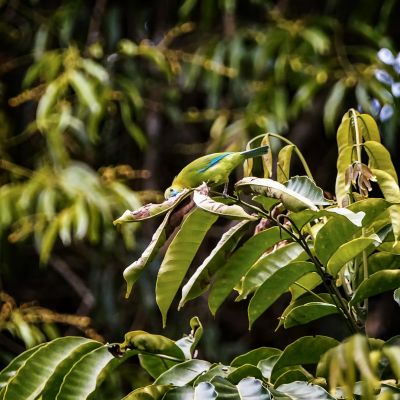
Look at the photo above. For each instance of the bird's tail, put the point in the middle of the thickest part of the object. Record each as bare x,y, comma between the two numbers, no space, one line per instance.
257,152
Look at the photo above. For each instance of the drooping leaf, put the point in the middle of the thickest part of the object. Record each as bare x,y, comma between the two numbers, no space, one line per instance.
350,250
277,284
306,313
210,205
369,128
379,158
299,352
183,373
305,284
133,271
393,355
388,185
179,256
85,91
345,159
333,104
394,212
269,264
239,263
379,282
200,280
47,102
152,210
283,164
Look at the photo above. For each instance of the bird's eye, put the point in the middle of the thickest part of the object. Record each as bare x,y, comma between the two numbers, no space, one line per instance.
171,190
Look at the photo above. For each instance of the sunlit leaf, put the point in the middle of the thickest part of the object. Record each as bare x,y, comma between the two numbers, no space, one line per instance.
253,357
283,164
151,392
300,390
333,104
306,313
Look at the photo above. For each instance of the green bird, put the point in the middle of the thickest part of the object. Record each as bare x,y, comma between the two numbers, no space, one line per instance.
214,169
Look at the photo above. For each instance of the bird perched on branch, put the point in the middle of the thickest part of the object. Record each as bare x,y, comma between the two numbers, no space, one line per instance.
214,169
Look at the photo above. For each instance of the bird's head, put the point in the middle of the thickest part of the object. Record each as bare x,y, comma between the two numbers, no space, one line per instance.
172,191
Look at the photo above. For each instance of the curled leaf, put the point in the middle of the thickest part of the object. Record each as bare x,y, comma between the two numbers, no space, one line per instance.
151,210
215,207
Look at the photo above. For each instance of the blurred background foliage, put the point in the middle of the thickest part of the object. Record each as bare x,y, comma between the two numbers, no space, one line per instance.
103,102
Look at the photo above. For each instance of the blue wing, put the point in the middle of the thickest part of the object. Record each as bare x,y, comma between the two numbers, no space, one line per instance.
214,161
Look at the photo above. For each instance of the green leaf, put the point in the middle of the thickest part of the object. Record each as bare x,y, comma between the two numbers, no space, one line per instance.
9,371
244,371
144,342
208,204
379,282
179,256
300,390
333,105
394,212
216,370
277,284
336,232
133,271
268,265
46,103
308,281
180,393
304,186
290,376
348,251
283,164
95,69
189,342
393,355
383,260
388,185
267,365
253,357
379,158
151,392
53,384
252,389
266,202
133,129
369,128
152,210
306,350
239,263
205,391
396,297
82,379
31,377
85,91
199,282
345,136
309,312
183,373
345,159
247,389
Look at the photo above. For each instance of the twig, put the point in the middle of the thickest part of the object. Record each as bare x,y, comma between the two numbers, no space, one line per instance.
88,300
